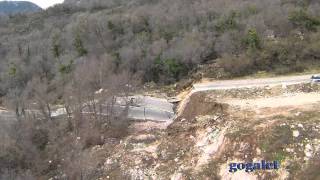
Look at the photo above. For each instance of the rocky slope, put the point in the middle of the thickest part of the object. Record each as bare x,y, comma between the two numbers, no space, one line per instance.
213,132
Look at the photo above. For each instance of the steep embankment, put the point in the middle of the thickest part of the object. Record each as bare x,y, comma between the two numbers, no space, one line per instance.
212,131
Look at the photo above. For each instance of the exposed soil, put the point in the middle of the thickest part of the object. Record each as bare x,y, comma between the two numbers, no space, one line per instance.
216,128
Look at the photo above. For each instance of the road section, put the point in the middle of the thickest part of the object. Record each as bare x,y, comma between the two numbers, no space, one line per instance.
251,83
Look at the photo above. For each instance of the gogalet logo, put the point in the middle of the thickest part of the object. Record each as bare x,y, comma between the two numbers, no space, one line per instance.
252,166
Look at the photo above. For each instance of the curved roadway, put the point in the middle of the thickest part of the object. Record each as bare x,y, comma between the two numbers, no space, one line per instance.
150,108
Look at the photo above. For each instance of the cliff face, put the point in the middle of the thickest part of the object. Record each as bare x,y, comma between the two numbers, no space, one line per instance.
14,7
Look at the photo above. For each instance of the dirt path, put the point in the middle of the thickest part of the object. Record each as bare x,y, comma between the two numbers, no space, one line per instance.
249,83
298,99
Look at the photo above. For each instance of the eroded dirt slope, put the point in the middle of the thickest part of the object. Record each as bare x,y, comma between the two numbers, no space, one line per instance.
219,127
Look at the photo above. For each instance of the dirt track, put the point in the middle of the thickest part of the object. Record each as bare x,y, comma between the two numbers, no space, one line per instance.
248,83
299,99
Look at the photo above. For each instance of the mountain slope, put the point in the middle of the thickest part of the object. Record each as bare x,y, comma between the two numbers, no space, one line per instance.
13,7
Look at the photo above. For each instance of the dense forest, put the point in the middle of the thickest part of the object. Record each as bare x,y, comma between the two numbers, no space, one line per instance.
160,41
64,54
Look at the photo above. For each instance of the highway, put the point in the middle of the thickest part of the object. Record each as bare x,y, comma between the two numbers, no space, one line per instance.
6,115
141,108
156,109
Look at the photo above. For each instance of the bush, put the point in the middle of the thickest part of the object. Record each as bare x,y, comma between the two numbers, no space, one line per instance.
252,40
40,138
301,18
78,44
228,22
167,71
66,68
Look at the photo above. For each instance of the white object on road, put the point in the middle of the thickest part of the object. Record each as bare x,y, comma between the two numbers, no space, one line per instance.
315,79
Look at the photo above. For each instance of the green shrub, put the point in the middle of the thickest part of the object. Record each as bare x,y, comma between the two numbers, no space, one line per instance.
56,47
249,10
66,68
173,67
301,18
227,22
12,70
252,39
78,44
169,68
40,138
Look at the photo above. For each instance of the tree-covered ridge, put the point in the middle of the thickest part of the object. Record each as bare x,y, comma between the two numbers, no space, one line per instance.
162,41
13,7
141,36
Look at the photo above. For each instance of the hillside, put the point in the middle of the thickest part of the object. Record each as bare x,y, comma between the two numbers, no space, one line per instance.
88,89
13,7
